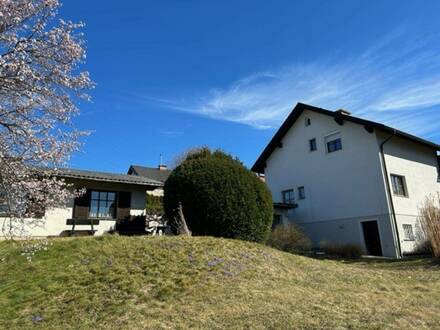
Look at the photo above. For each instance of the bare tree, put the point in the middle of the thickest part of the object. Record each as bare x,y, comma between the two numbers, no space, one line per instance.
430,222
180,158
40,87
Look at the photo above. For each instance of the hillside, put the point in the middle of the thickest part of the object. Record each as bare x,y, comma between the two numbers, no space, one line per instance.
169,282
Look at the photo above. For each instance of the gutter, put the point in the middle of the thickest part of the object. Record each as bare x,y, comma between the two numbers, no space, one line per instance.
390,196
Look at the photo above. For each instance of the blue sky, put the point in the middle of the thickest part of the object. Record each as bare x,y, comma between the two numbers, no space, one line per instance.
172,75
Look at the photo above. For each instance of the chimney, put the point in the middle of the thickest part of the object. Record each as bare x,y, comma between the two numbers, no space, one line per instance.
162,166
343,112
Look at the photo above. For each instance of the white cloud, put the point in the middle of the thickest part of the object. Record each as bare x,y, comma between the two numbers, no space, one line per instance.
388,82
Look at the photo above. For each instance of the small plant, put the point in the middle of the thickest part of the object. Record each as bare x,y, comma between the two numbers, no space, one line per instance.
430,222
289,238
343,250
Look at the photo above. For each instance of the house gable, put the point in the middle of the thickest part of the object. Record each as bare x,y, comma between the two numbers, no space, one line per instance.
339,117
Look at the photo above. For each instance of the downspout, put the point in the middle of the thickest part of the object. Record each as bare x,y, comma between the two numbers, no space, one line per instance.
390,196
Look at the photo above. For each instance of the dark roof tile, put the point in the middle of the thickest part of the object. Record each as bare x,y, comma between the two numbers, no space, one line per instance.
152,173
106,177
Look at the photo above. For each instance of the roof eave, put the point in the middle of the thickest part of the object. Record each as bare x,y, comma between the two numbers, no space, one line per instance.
90,178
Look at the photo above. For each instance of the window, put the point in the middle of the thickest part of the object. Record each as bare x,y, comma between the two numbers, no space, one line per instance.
301,193
399,186
288,196
408,234
308,122
312,144
102,204
333,142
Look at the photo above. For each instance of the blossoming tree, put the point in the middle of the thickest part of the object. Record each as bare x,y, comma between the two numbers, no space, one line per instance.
41,85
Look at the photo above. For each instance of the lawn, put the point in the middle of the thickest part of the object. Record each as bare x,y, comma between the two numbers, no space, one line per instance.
177,282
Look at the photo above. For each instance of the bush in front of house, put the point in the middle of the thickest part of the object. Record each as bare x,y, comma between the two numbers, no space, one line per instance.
219,197
430,222
289,238
154,205
343,250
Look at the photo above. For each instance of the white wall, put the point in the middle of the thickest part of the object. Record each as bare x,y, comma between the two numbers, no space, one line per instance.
418,164
342,188
54,221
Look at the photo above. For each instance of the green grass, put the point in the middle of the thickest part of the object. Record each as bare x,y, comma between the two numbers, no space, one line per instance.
176,282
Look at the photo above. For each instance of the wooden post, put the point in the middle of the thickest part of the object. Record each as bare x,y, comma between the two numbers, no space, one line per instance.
183,226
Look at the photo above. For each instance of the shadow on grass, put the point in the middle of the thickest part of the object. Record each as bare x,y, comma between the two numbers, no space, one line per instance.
407,262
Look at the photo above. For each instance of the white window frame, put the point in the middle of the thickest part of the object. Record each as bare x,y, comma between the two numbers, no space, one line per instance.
403,184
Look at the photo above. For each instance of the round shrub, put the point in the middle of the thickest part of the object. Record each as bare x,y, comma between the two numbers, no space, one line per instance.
219,197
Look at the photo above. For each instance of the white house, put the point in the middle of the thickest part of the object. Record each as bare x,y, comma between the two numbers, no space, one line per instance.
110,198
350,180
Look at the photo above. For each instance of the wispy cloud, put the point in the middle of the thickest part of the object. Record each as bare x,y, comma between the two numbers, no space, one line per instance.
394,81
171,133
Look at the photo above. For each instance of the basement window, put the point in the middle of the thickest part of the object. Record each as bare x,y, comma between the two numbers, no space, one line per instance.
408,233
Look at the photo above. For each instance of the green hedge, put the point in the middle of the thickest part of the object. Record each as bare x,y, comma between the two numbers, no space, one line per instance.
220,197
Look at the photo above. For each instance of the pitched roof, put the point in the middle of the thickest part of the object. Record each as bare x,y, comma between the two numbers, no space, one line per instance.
107,177
152,173
339,116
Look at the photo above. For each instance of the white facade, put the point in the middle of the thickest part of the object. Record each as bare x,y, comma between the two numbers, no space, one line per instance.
346,187
54,221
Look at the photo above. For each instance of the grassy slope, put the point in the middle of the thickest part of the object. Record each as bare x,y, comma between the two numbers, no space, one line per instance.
140,282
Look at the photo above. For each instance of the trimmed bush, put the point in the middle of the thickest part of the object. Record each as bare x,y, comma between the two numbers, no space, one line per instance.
289,238
219,196
348,251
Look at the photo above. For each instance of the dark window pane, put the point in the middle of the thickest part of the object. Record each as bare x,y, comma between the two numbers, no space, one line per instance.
334,145
312,143
102,195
